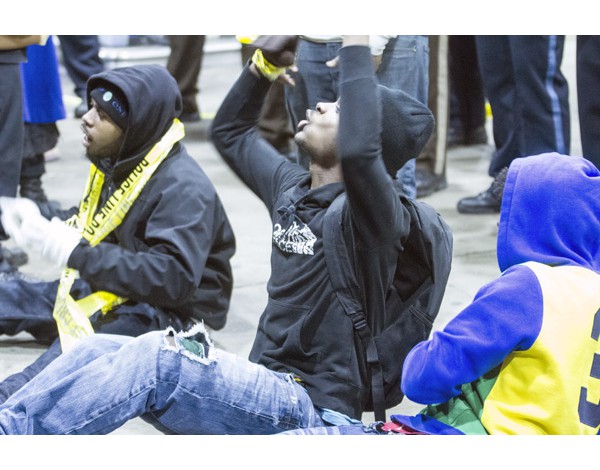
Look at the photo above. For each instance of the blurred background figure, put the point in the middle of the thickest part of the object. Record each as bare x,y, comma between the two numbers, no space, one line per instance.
13,52
81,58
467,98
184,64
42,107
430,170
529,98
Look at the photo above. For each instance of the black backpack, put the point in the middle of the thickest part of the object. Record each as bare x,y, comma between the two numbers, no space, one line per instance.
412,302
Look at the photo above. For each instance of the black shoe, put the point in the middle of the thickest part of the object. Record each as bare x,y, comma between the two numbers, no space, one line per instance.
81,109
484,203
428,183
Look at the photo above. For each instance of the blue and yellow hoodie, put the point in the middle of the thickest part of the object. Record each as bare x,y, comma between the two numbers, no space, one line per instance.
524,356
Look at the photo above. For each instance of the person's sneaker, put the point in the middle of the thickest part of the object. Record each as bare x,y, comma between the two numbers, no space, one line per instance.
428,183
485,202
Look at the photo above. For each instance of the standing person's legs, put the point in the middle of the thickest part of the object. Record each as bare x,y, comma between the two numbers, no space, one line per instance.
184,64
467,105
588,96
542,96
180,384
11,128
11,144
81,58
405,66
497,71
431,163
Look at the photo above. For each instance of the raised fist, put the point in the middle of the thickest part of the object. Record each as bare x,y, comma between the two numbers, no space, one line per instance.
278,50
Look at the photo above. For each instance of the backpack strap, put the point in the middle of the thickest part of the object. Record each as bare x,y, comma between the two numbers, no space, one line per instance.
345,285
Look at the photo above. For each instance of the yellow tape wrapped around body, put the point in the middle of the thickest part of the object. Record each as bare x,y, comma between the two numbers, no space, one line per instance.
72,316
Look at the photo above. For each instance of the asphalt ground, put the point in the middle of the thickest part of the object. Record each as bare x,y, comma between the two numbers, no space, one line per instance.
474,260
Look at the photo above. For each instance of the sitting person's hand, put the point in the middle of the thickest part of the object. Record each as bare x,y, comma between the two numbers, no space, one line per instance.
53,240
13,211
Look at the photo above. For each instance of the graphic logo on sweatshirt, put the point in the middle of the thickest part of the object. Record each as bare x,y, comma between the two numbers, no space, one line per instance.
297,238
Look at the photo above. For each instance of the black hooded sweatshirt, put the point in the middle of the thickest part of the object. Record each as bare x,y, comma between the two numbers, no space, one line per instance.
304,329
173,249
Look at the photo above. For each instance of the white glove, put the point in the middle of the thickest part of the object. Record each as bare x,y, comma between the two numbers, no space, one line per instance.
14,212
53,240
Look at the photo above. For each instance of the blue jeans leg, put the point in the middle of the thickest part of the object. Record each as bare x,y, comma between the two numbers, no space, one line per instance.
163,377
405,66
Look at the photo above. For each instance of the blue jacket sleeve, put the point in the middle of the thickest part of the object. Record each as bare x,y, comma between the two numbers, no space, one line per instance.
506,315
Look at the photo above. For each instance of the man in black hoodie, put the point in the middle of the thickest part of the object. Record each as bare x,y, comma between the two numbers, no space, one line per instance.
148,247
304,368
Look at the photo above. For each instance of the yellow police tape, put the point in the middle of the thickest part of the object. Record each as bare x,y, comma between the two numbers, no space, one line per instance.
72,316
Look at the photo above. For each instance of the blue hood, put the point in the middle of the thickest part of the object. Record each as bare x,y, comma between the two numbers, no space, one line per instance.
550,212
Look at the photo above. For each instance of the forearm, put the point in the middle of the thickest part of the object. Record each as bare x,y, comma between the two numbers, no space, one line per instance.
237,139
359,146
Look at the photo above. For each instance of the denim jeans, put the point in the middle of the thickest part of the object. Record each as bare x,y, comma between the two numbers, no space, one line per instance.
27,306
405,66
178,382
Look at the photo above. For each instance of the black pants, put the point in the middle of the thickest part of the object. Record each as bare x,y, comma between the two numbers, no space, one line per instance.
81,57
528,94
588,96
184,64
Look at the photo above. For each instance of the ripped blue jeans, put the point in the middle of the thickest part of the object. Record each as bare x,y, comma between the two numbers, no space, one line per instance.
180,383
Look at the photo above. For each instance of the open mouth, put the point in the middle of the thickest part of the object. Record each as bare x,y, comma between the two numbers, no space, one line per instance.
302,124
86,136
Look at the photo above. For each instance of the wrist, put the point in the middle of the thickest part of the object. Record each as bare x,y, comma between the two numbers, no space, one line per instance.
266,68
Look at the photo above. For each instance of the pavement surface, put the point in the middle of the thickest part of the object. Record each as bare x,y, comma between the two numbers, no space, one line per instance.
474,260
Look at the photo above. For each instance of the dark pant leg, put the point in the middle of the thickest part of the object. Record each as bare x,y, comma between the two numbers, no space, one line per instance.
184,64
81,57
497,73
588,96
467,96
11,128
27,306
542,95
